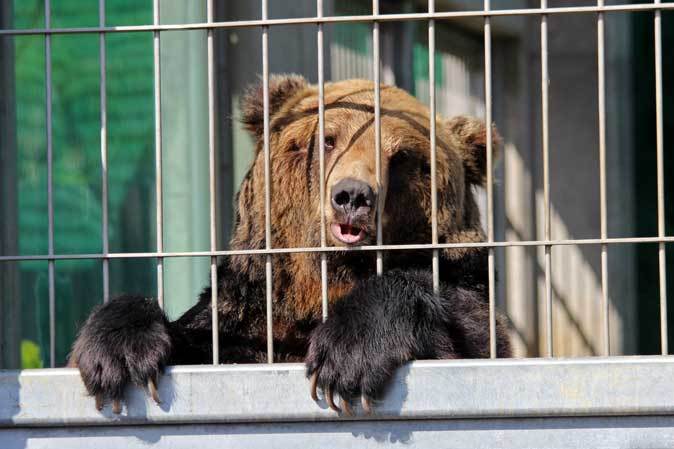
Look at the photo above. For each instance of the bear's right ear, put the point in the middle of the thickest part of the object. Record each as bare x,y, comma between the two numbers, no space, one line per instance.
470,138
281,88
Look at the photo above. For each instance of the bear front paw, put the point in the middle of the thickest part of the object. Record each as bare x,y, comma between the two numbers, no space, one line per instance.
348,365
122,342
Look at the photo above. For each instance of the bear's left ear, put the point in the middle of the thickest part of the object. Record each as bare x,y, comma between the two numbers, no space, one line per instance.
469,135
281,88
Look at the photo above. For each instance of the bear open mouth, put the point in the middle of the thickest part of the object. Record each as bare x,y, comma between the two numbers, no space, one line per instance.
347,233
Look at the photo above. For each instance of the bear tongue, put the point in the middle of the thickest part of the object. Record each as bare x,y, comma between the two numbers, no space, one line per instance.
347,233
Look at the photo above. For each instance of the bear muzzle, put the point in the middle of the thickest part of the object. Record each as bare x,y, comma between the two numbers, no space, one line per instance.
353,203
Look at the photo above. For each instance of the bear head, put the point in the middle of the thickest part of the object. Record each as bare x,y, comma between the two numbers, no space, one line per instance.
352,195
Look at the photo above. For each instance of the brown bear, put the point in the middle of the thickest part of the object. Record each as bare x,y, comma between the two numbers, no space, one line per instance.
375,323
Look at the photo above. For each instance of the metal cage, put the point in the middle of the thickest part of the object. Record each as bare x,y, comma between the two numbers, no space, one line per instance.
598,402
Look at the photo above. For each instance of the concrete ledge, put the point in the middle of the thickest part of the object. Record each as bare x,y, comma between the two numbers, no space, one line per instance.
619,386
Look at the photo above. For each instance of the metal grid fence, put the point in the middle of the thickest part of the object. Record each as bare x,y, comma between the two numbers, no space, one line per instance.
431,16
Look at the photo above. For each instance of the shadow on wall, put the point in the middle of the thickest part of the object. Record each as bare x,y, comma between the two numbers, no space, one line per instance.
68,418
10,406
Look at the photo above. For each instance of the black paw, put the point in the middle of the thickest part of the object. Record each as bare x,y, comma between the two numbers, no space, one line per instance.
122,342
349,364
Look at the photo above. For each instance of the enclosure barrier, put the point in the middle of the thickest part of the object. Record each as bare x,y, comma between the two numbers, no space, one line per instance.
616,402
594,402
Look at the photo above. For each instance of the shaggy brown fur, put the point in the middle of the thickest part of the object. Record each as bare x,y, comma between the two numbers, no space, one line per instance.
454,321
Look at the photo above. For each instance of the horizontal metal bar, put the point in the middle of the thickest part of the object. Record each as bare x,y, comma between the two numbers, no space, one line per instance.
438,389
318,249
340,19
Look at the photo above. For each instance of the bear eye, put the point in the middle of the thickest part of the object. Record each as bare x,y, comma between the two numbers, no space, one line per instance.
329,143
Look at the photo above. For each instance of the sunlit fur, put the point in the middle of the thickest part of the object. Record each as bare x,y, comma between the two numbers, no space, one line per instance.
375,323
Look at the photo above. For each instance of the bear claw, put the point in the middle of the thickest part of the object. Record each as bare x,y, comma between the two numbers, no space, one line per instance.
367,406
314,385
117,403
348,411
331,400
154,394
99,402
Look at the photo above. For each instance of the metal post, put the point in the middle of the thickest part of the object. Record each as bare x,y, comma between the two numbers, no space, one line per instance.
267,185
211,174
321,153
490,180
662,265
104,154
601,85
50,187
545,79
158,157
434,181
376,65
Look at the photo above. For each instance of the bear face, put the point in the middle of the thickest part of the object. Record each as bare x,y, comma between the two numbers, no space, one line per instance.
352,194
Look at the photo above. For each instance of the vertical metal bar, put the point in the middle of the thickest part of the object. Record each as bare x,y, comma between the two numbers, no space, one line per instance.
660,180
601,85
104,153
490,180
267,184
434,181
211,175
50,187
321,153
546,175
158,156
376,65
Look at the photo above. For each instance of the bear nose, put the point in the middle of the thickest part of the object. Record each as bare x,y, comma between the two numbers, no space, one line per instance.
350,195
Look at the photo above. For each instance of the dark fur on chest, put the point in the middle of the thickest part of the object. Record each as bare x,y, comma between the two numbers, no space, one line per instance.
242,293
